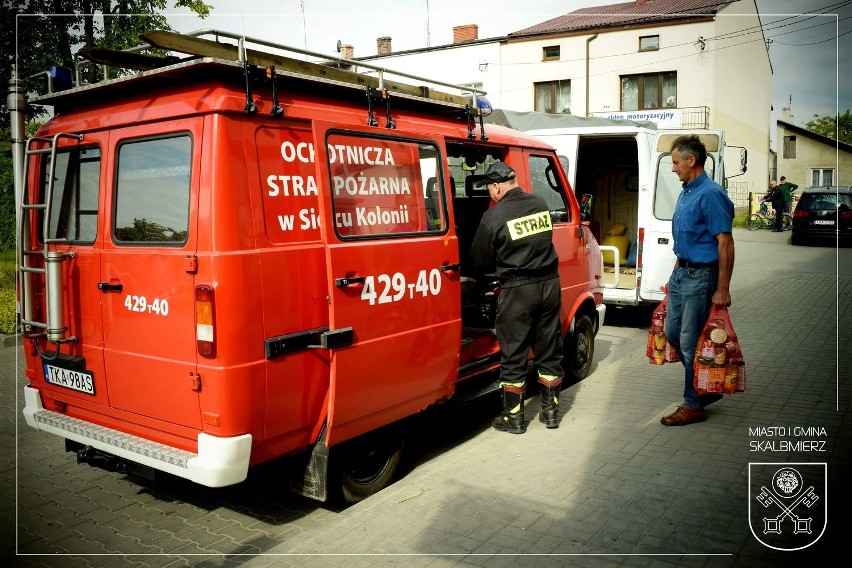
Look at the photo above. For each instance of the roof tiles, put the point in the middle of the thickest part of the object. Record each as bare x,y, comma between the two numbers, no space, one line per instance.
625,14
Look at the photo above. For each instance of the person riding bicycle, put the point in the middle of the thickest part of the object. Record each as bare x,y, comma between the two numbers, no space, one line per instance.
776,197
764,208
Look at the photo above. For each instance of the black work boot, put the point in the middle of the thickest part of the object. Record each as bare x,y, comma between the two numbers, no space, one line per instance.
549,414
511,420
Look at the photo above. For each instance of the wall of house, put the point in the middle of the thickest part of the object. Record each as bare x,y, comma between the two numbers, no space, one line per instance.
720,63
810,154
611,55
742,91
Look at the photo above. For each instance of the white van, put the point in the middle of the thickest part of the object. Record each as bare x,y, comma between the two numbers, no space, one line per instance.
626,167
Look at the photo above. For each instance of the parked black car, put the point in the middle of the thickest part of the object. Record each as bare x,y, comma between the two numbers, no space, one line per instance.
825,214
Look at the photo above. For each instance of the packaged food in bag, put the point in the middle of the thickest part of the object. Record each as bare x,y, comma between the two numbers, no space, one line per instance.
658,349
719,364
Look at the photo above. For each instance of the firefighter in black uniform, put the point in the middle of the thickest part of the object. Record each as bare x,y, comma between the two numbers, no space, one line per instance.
515,238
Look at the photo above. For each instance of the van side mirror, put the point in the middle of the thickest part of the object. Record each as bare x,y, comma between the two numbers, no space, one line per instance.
585,207
743,161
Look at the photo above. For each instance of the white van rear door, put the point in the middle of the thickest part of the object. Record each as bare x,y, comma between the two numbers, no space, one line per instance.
657,253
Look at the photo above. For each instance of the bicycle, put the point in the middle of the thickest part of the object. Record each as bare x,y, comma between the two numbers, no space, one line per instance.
763,219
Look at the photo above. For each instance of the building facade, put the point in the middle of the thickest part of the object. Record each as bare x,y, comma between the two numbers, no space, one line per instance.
679,63
807,158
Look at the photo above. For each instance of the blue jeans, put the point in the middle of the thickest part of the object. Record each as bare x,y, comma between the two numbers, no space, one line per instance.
689,301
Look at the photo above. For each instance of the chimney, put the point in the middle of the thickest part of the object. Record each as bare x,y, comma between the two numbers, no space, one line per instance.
468,32
347,51
383,45
787,114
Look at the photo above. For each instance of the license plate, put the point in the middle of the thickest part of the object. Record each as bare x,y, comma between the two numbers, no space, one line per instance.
823,222
82,381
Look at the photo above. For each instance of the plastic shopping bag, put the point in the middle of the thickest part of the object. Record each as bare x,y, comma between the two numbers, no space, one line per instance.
658,349
719,364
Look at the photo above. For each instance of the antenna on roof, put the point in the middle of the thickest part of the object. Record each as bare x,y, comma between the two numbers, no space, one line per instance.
428,34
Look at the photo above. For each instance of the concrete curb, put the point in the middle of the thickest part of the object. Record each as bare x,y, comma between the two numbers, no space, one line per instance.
10,340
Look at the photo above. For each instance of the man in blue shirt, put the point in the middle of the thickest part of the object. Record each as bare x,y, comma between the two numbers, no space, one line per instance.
704,247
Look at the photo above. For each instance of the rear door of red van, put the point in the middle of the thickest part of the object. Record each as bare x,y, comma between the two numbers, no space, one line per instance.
148,271
393,275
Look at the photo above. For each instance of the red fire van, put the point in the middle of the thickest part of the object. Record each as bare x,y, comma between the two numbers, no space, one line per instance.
236,256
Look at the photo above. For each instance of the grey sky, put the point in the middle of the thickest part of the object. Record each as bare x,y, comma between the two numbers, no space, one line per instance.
803,49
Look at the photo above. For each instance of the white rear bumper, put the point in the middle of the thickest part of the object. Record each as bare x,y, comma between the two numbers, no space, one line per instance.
219,461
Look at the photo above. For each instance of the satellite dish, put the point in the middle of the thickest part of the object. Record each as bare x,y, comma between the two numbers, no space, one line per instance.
339,45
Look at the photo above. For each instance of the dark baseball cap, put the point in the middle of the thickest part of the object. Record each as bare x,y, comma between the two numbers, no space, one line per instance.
498,172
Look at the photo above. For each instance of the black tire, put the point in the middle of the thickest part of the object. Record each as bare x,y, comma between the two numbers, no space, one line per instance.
796,239
753,222
367,464
579,349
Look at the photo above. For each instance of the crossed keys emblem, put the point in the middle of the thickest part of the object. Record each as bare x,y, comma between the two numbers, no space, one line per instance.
773,524
790,499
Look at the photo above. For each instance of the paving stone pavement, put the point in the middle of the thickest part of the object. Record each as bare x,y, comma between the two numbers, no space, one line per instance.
610,487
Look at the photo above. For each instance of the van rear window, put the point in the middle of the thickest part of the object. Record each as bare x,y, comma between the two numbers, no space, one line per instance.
669,186
152,191
74,203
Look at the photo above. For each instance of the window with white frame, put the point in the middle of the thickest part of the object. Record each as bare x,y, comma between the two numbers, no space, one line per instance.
822,176
553,97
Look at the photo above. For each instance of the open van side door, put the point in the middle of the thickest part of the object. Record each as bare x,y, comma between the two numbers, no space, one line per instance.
394,288
657,253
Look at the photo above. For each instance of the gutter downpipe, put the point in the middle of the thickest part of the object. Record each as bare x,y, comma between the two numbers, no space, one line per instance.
588,41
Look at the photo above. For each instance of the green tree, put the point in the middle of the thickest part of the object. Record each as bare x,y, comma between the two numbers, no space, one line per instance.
35,41
837,127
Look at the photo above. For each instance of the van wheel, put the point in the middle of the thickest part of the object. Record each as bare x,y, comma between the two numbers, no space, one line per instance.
367,464
579,349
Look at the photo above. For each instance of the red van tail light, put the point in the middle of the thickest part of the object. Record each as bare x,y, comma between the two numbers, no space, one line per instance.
800,214
846,214
641,244
205,326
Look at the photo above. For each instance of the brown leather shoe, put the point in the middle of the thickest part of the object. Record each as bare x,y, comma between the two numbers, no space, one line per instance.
683,415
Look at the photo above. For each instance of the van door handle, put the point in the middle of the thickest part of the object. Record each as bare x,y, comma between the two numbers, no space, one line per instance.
341,282
450,267
107,287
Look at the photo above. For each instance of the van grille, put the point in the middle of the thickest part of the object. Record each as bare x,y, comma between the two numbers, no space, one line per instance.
114,438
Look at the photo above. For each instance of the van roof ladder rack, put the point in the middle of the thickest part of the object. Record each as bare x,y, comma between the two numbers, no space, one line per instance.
193,44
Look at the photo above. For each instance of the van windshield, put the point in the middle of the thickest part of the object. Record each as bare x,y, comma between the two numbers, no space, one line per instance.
668,186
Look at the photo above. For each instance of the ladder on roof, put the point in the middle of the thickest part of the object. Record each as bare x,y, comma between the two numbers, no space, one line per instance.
191,44
378,89
326,69
53,327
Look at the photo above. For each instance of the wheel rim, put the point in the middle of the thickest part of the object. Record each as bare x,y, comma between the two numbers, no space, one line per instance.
581,358
372,461
579,355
